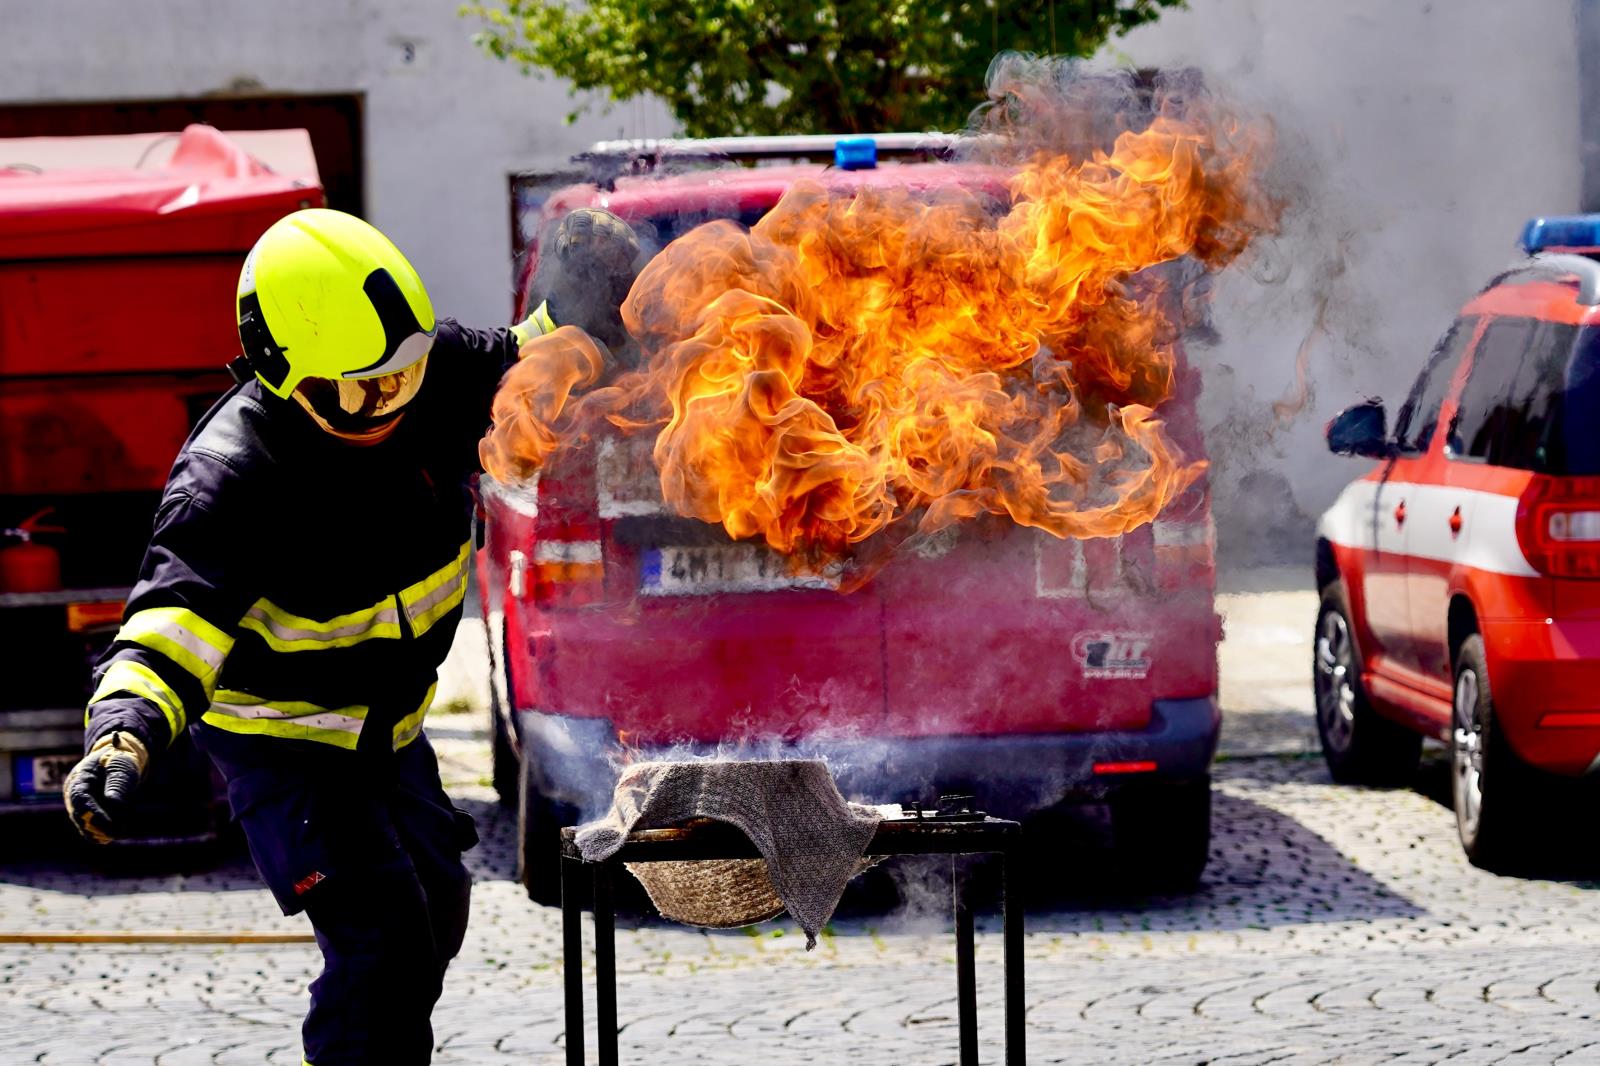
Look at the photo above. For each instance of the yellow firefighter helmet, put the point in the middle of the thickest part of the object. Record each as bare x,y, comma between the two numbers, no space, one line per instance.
324,296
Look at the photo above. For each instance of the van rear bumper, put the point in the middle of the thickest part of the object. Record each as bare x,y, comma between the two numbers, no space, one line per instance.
574,761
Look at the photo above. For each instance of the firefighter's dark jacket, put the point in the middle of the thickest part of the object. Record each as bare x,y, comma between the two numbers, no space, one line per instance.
299,589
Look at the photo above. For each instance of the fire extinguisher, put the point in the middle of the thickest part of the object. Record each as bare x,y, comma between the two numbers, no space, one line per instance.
25,564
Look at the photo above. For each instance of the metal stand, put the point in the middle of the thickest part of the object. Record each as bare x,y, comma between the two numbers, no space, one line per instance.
987,836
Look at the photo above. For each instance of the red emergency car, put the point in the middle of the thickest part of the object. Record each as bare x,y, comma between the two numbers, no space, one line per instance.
1460,578
1002,662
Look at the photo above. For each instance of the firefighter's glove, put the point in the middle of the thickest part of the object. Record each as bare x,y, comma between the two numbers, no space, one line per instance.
100,787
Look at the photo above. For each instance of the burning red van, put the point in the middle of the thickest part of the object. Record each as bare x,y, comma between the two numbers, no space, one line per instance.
1458,576
995,660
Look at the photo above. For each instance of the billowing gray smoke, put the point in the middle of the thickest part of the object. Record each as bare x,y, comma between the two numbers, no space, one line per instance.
1414,140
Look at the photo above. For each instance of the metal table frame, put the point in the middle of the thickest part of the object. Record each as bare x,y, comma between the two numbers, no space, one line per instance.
713,840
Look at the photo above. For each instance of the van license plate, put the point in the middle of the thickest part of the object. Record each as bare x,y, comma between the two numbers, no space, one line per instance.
38,775
705,570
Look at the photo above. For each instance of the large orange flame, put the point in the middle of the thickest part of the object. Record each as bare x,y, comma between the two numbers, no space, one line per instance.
863,360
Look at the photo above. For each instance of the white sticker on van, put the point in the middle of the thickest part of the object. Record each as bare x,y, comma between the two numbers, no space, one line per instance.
1108,656
626,481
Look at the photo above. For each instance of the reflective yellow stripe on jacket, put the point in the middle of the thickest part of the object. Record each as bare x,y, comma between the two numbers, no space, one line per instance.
407,728
240,712
126,675
184,637
285,631
424,603
191,643
437,594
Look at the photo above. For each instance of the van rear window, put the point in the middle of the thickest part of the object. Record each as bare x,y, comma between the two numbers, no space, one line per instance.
658,231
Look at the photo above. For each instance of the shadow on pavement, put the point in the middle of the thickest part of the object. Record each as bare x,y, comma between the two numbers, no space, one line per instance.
43,852
1266,870
495,857
1557,848
1250,734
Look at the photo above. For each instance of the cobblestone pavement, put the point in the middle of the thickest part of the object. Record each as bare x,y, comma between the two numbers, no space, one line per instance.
1334,925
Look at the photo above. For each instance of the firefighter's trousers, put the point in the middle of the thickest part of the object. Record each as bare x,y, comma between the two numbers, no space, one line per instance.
374,859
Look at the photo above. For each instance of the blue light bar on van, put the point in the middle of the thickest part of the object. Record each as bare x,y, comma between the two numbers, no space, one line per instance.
1561,232
855,153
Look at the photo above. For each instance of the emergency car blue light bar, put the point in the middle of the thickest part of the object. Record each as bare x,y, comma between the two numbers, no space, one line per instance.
1564,232
855,153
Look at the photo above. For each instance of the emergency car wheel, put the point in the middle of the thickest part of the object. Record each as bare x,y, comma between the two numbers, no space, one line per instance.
1359,745
1161,836
539,824
1488,783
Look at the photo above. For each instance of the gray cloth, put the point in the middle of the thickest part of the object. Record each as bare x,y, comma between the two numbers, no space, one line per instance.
810,838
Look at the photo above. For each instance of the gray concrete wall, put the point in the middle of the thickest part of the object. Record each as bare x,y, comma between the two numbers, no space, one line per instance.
1416,138
445,124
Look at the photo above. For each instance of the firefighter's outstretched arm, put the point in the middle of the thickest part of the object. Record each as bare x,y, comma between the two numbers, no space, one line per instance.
161,670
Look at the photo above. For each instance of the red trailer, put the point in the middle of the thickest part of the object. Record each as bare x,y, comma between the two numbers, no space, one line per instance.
116,323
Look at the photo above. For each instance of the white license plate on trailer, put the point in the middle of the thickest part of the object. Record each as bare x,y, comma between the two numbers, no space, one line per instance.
38,775
706,570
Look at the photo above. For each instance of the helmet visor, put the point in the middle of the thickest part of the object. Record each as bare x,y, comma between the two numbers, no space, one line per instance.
358,404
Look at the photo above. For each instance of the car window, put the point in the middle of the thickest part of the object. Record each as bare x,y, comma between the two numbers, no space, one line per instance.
1509,404
1528,436
1571,445
1419,417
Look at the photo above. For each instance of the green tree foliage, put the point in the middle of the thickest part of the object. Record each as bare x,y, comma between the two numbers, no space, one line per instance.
763,67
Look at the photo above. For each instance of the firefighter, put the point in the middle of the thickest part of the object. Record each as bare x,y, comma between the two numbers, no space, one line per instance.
583,283
302,585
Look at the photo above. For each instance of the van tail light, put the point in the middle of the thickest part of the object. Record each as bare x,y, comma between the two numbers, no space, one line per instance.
1185,540
565,573
564,565
1558,525
1185,552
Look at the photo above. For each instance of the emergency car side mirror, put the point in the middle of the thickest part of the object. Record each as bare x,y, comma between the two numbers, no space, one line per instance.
1361,429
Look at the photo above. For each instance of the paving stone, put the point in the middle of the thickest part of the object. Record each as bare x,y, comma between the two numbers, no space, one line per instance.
1334,925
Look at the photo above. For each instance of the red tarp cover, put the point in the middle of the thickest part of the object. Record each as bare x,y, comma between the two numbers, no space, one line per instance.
211,197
